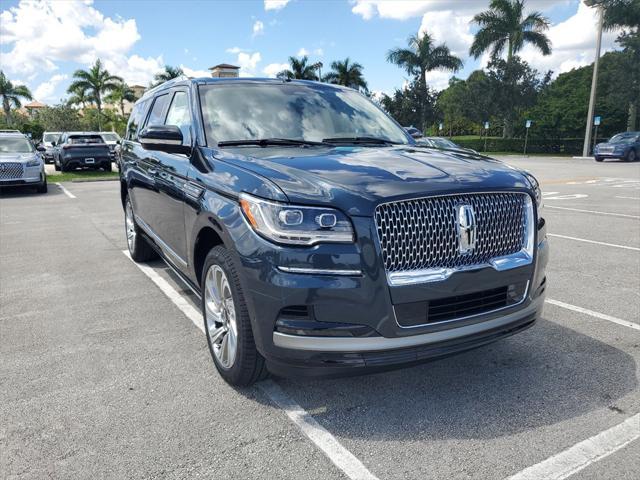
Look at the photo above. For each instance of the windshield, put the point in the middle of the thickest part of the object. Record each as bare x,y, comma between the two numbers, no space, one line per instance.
110,137
50,137
292,111
15,145
622,137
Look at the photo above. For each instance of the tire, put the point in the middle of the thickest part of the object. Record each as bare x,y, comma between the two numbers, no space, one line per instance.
632,156
63,168
43,187
56,166
220,280
139,248
599,159
108,168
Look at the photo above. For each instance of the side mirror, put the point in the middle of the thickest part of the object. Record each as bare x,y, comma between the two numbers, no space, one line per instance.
118,142
165,138
41,148
53,144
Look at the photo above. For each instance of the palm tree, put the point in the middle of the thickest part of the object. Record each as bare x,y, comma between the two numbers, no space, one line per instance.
120,95
94,82
80,98
423,56
12,94
504,25
347,73
299,69
169,73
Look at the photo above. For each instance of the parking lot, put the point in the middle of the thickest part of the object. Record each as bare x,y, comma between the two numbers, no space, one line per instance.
105,374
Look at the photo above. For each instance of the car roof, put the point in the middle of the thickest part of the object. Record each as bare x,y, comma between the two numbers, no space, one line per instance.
183,81
13,134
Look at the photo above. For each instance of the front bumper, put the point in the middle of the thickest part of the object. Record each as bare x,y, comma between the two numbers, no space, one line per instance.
32,176
79,162
360,311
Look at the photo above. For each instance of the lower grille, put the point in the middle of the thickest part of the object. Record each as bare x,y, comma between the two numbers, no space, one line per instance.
11,170
466,305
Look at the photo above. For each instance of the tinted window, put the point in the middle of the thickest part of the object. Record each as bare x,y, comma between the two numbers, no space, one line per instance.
179,115
15,145
134,120
156,116
110,137
50,137
302,112
85,139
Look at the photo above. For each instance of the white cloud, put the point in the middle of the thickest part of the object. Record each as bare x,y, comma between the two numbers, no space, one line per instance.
135,70
44,91
451,27
438,79
274,69
248,63
190,72
235,50
258,28
319,52
573,42
303,52
40,35
275,4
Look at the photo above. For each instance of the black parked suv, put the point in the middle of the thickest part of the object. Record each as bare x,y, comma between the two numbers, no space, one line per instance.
319,239
81,150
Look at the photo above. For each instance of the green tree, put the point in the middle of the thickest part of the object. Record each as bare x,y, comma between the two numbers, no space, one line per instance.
411,106
169,73
79,98
347,73
121,94
59,118
505,26
12,95
299,68
423,56
95,82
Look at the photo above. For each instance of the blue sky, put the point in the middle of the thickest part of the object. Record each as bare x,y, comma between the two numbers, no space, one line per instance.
42,43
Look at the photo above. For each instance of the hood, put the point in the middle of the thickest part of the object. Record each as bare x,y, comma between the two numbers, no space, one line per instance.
18,157
356,179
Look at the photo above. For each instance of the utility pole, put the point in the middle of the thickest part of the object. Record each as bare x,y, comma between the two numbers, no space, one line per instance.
594,83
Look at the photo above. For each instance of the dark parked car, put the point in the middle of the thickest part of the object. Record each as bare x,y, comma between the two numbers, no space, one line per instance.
623,145
48,141
81,150
320,240
443,144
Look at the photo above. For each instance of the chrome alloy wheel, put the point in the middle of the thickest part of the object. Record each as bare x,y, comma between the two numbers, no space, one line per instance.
220,315
130,226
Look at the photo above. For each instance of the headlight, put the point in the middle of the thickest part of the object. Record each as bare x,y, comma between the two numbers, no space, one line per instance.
33,163
536,188
295,224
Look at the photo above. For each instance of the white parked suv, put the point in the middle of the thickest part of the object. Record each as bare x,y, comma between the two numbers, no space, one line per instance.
20,163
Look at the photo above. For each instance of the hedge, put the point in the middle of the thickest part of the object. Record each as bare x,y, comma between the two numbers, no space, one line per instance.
571,146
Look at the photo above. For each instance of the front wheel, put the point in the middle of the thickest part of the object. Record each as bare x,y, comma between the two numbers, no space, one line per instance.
227,322
42,188
139,248
598,159
56,165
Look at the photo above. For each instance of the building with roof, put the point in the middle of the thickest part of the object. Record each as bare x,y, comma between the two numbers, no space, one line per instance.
225,70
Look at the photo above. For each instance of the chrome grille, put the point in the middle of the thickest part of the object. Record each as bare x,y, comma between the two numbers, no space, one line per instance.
10,170
422,233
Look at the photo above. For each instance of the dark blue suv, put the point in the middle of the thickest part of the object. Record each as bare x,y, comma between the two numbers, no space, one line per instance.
320,240
624,145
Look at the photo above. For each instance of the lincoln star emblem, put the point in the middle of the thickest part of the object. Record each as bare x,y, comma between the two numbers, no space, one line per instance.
466,222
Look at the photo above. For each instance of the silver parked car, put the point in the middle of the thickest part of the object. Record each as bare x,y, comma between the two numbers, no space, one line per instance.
48,141
20,163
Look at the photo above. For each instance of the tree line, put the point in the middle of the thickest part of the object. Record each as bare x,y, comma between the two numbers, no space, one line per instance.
505,94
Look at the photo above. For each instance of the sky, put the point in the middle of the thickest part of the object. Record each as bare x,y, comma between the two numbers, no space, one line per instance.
42,42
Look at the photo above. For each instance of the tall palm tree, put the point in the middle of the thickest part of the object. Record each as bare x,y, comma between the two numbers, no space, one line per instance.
505,26
12,94
347,73
95,82
423,56
169,73
121,94
299,69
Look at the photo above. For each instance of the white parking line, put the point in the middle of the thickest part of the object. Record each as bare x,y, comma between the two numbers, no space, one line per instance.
583,454
593,241
340,456
66,192
629,198
593,211
586,311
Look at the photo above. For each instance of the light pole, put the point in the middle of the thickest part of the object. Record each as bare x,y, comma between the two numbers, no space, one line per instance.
594,81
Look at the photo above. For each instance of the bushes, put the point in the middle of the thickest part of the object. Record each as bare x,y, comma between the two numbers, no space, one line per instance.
569,146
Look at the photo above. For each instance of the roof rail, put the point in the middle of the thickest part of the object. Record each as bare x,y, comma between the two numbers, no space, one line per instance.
168,83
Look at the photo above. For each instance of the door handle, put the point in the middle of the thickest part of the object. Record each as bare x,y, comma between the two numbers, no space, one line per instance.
152,171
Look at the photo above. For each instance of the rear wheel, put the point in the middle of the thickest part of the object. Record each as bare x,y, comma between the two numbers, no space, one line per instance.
598,159
56,165
139,248
107,167
631,156
227,322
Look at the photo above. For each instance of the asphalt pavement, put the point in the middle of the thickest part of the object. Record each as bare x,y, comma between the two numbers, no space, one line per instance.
104,374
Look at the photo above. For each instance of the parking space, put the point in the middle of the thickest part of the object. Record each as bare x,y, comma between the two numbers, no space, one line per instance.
105,375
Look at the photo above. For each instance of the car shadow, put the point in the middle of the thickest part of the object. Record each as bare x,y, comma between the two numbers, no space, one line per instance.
543,376
17,192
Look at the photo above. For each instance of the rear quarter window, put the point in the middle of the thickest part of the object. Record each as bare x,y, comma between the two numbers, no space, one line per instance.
84,139
135,119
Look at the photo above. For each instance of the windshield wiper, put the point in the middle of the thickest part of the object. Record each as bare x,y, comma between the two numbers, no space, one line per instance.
264,142
360,140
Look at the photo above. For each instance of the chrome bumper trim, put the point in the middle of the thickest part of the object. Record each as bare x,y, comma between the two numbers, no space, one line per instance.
321,271
368,344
